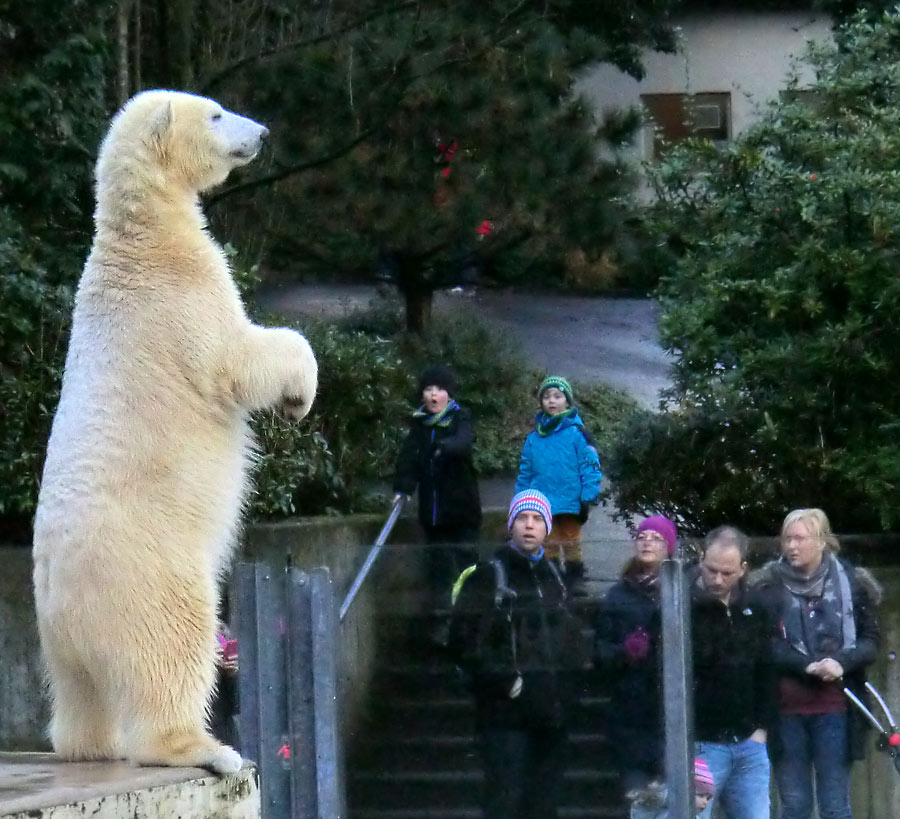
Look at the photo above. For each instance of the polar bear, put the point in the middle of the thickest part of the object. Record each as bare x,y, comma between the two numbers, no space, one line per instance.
147,463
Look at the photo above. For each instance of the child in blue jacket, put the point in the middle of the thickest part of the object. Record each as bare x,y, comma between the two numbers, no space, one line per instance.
559,459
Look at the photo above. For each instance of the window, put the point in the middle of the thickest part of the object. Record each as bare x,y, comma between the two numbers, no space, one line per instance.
679,116
807,97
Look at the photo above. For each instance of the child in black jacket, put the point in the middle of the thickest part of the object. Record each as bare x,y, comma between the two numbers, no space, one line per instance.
436,458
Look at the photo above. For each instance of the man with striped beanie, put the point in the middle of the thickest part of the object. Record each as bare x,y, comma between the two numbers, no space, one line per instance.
530,500
513,635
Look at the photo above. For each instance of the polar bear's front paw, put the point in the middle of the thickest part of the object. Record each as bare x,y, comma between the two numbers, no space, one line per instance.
300,389
295,408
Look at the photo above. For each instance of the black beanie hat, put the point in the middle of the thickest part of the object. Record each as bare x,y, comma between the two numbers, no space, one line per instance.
439,376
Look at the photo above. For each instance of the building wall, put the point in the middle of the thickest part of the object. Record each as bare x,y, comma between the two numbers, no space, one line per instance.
748,54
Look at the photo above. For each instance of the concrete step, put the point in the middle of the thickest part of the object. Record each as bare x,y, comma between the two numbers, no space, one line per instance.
462,789
447,715
595,812
455,752
440,678
418,758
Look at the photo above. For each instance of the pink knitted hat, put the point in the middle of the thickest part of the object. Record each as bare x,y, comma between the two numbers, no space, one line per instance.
703,778
662,526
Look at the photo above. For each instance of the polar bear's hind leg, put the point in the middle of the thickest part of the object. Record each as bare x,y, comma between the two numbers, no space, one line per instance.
82,727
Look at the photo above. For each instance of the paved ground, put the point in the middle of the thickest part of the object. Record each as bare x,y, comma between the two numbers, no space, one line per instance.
610,341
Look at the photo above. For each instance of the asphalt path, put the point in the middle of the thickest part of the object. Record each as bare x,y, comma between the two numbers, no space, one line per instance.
597,340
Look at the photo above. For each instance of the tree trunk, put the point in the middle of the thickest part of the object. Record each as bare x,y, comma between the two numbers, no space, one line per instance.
138,81
418,309
123,89
181,35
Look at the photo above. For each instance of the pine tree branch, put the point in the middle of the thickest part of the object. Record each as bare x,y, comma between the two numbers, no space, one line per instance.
211,82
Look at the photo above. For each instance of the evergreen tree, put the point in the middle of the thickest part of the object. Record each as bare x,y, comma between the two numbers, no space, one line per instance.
435,137
780,302
52,105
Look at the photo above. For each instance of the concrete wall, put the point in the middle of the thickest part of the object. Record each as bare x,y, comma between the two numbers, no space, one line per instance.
745,53
341,544
23,708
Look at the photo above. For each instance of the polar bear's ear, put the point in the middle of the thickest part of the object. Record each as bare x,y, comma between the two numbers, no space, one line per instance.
161,120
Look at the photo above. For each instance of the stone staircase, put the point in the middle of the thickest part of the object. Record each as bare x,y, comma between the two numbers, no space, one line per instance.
416,757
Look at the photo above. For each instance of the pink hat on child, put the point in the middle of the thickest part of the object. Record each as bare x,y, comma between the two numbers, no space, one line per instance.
703,778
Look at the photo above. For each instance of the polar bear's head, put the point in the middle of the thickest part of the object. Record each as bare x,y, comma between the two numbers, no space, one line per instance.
166,139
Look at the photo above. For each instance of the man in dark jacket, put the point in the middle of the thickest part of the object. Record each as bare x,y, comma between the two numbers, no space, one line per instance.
515,638
734,692
436,458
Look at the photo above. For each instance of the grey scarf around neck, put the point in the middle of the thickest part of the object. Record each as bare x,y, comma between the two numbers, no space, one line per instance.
818,608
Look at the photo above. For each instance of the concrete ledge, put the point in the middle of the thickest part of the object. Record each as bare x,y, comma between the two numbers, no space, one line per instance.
40,786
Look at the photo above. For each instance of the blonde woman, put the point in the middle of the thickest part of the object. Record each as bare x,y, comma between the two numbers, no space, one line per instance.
827,633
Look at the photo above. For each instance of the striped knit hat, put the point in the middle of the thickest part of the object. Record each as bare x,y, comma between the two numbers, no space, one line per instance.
530,500
559,383
703,778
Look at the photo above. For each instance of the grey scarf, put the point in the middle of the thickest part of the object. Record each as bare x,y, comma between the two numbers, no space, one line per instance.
818,608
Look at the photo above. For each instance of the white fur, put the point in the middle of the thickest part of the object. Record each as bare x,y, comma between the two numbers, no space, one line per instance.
147,465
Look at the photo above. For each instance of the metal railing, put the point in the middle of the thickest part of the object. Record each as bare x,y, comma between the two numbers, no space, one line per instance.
374,552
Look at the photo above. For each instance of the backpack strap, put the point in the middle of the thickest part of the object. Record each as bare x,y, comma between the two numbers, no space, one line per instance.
555,572
460,581
502,591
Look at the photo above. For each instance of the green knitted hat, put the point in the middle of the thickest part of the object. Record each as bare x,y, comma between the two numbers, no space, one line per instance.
559,383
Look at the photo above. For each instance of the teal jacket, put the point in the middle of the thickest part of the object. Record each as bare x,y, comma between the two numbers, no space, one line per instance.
564,465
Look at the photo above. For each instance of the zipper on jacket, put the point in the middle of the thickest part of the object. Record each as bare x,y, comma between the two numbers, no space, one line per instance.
433,486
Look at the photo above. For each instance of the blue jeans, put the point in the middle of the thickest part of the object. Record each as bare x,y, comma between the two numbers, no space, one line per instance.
817,742
740,772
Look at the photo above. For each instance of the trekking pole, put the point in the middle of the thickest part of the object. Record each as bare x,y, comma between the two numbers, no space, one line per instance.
399,502
888,739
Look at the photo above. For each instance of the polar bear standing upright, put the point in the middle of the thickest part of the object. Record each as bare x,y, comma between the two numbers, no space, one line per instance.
147,464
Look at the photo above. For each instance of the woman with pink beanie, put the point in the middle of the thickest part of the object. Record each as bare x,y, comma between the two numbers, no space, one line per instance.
625,646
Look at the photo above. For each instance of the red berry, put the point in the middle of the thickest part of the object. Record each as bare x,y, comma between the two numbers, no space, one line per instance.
894,740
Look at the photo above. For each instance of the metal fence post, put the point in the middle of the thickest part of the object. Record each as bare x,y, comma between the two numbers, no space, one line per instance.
301,715
260,624
329,756
317,771
678,689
